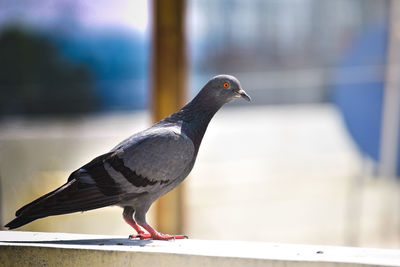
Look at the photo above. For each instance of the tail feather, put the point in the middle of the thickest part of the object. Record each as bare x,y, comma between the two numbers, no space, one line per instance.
33,203
71,197
20,221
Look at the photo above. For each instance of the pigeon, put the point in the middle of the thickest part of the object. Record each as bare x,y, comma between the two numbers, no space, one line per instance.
141,168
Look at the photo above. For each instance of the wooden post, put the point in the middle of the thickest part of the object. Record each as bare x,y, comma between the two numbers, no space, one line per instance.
168,95
391,101
390,211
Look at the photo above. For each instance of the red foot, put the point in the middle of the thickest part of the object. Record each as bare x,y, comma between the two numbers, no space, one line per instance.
141,236
160,236
180,236
146,236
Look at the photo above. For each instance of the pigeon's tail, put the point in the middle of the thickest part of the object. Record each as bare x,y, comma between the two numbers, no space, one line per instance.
71,197
20,221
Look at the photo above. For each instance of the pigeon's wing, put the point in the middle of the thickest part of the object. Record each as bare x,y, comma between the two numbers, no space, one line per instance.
139,166
152,163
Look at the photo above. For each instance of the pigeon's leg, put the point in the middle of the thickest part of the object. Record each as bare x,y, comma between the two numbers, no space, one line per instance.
154,234
128,217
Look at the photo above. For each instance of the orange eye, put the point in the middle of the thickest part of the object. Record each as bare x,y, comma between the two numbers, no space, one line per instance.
226,85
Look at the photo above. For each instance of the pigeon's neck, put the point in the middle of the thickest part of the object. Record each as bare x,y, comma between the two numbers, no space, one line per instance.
196,115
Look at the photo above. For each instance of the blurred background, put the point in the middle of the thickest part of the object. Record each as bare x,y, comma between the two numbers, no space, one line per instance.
313,159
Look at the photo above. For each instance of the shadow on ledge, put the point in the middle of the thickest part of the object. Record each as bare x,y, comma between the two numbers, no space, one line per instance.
93,242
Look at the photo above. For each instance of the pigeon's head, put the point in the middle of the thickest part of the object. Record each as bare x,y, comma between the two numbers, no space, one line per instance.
226,88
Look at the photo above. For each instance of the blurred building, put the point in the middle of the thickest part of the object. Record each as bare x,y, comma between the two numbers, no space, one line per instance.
285,51
115,55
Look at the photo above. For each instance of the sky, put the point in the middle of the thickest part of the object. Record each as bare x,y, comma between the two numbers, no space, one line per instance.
128,14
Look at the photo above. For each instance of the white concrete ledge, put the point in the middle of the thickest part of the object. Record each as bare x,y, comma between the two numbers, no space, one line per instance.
52,249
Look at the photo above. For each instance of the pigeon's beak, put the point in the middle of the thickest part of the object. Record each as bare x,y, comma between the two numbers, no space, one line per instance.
244,95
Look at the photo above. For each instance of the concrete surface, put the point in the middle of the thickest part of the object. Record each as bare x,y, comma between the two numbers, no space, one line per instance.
57,249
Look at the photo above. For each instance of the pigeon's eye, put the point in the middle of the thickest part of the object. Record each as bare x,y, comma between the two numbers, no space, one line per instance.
226,85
